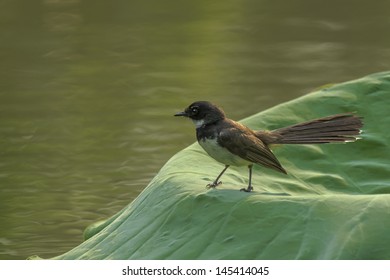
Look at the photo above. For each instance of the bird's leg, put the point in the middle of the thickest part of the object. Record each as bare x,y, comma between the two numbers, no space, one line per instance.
216,182
250,188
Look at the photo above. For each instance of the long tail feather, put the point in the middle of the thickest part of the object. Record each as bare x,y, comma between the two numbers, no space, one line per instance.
335,128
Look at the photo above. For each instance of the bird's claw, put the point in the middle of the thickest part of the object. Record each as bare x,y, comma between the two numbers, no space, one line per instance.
213,185
249,189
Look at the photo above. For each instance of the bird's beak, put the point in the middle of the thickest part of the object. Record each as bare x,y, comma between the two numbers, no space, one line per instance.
181,114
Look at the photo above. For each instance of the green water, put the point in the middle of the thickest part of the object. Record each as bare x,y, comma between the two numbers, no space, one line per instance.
88,90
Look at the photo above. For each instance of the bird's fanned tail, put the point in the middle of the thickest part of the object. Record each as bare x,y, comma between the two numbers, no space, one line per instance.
330,129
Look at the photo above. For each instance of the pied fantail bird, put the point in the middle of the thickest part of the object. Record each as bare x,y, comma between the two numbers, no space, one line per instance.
232,143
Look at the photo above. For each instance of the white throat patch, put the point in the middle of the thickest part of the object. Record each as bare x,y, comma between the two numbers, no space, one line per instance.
198,123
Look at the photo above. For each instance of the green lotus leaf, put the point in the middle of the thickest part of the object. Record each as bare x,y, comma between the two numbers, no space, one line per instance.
333,204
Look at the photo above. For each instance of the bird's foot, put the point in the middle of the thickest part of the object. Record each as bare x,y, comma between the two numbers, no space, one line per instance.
248,189
213,185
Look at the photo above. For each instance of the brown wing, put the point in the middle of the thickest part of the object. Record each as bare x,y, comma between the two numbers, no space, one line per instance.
242,142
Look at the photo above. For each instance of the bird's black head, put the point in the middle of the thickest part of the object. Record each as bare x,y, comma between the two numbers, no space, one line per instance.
202,113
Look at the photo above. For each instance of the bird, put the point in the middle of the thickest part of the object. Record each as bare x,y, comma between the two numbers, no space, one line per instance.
234,144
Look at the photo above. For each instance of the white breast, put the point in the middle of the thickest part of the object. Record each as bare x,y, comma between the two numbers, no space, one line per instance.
221,154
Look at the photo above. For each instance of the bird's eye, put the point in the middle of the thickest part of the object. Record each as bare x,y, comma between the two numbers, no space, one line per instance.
194,110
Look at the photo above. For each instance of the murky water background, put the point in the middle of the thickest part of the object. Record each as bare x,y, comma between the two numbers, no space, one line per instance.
88,89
